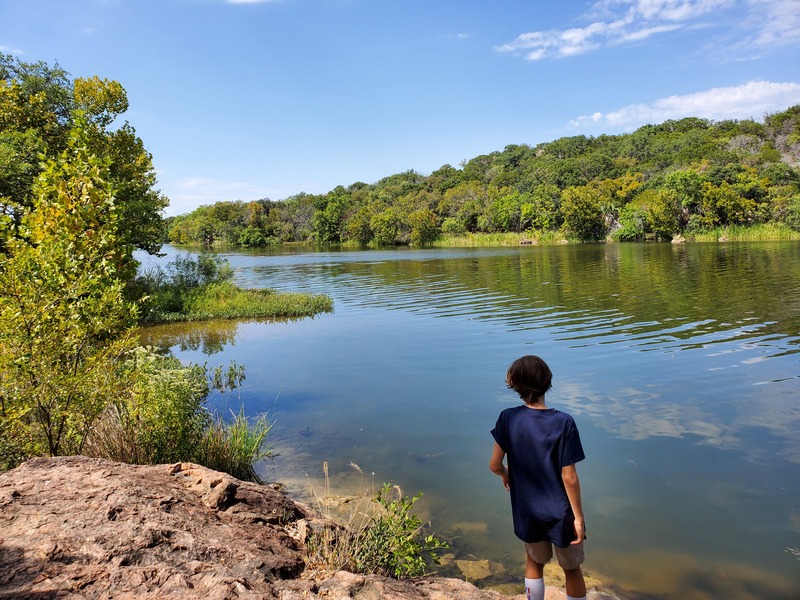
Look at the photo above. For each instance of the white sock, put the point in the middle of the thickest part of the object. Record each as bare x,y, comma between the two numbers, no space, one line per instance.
571,598
534,589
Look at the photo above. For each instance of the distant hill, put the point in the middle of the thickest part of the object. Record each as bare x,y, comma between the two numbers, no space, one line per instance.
673,179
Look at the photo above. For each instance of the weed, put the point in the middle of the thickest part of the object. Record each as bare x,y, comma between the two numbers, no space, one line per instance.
378,534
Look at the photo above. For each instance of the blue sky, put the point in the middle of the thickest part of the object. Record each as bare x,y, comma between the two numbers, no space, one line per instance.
248,99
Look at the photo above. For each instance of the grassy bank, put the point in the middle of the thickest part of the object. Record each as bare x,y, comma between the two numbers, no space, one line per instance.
768,232
226,301
202,289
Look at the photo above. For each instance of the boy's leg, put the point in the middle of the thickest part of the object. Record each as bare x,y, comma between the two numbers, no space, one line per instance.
570,560
575,584
537,555
533,569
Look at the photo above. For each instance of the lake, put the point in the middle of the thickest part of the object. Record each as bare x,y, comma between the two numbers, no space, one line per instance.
679,362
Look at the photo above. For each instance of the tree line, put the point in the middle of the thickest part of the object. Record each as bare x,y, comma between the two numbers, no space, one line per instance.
675,178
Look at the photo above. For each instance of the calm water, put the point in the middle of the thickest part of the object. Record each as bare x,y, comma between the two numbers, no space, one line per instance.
680,364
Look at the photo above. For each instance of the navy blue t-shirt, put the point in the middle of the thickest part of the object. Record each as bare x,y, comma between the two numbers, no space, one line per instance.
538,443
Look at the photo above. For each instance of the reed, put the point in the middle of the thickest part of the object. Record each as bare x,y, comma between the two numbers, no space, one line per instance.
236,446
764,232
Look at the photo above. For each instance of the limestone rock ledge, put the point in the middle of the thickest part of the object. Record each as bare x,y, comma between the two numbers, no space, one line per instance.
76,527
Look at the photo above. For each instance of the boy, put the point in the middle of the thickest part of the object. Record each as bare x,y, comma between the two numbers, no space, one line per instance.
542,445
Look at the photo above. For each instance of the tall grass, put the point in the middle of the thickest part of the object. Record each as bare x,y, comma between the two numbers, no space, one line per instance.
226,301
162,418
202,288
480,240
235,446
764,232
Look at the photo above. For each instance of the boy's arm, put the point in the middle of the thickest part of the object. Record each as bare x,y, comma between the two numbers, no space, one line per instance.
572,485
496,464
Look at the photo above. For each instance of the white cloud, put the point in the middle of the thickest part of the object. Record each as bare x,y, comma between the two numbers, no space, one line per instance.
778,22
187,194
7,50
764,23
752,99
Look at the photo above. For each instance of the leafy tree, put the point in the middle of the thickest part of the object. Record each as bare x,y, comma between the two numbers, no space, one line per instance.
359,228
582,210
653,213
505,207
39,105
723,205
64,322
423,226
540,208
388,227
464,202
328,220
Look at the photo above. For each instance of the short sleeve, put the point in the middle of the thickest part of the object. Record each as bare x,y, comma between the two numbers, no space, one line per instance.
500,433
572,450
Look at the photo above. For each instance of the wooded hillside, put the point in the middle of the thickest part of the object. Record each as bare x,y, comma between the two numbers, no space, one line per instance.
674,178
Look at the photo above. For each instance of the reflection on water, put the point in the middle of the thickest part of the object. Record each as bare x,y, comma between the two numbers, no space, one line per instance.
679,362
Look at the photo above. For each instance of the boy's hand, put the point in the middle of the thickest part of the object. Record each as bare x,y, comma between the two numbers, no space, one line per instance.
580,532
505,480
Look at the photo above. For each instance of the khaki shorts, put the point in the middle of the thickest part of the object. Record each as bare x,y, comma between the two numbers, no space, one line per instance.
569,558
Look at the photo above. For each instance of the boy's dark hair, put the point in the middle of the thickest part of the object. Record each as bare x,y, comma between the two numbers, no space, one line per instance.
530,377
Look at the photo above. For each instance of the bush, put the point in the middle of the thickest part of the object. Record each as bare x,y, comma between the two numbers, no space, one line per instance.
394,545
163,419
383,538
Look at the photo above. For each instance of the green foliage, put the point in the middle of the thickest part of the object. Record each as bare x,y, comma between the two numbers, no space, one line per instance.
201,288
386,538
170,290
162,418
524,189
226,301
39,108
653,214
394,545
423,226
582,211
388,227
64,322
159,418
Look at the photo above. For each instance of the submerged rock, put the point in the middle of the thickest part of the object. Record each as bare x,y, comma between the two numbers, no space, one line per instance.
475,570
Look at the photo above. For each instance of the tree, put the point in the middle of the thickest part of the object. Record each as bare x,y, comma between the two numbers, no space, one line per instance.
540,208
64,322
39,106
582,210
389,228
423,226
358,227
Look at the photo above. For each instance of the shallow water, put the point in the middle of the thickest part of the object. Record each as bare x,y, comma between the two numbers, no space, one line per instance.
678,362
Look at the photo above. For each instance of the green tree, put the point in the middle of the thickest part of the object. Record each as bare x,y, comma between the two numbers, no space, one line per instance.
723,205
389,228
582,210
64,322
358,227
423,226
39,105
540,208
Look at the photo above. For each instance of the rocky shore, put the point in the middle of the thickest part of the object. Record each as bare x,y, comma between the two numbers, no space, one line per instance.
76,527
